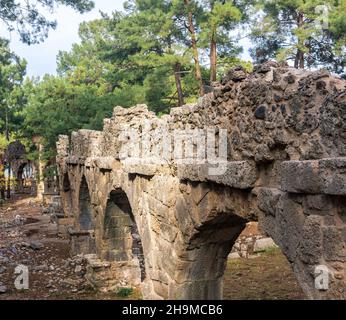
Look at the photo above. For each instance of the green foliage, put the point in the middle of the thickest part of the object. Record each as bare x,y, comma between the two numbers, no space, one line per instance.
124,59
50,172
12,71
227,63
139,49
217,21
57,106
3,143
135,56
124,292
286,29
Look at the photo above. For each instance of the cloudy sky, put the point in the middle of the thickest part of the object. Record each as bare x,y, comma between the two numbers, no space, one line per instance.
41,58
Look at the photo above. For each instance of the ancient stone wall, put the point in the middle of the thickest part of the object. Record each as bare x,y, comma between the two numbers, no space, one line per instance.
167,225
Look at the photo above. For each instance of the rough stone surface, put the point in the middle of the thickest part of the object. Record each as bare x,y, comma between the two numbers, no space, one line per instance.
169,227
326,176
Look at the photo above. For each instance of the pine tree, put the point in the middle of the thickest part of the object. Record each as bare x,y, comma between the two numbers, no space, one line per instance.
308,32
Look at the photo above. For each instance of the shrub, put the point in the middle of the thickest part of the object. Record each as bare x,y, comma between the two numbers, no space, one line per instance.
124,292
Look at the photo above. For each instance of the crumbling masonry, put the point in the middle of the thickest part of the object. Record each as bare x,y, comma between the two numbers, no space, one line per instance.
168,228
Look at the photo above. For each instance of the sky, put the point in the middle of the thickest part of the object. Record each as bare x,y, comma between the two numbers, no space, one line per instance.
41,58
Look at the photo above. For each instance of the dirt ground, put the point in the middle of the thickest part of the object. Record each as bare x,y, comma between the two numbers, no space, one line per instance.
27,237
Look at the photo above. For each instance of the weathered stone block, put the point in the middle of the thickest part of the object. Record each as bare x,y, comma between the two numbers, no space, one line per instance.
268,199
334,243
236,174
104,163
311,243
317,176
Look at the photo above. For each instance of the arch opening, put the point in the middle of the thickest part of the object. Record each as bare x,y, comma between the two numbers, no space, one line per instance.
67,195
85,210
25,177
121,239
51,179
206,256
258,269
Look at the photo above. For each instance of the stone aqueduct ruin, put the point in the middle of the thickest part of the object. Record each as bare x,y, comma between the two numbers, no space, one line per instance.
168,228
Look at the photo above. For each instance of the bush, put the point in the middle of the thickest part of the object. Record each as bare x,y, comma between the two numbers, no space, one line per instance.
124,292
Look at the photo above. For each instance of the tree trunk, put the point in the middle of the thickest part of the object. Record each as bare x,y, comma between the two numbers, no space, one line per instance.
8,192
7,184
2,179
213,57
177,69
191,28
299,60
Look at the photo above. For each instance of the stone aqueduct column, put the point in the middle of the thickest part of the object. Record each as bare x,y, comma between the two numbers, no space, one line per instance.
306,217
168,227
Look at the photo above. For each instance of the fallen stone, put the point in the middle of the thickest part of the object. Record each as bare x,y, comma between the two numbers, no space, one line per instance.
264,244
13,249
260,112
46,211
18,220
78,269
3,259
3,289
69,282
36,245
25,245
234,255
43,267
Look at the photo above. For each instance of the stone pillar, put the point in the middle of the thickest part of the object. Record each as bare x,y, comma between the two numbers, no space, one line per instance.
39,165
306,218
40,171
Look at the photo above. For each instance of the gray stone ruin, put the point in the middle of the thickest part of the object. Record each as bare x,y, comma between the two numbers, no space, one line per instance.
167,226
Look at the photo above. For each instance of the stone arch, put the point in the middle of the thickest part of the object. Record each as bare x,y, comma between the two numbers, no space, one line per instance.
310,233
209,249
83,236
24,173
211,217
286,168
19,178
85,217
121,241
